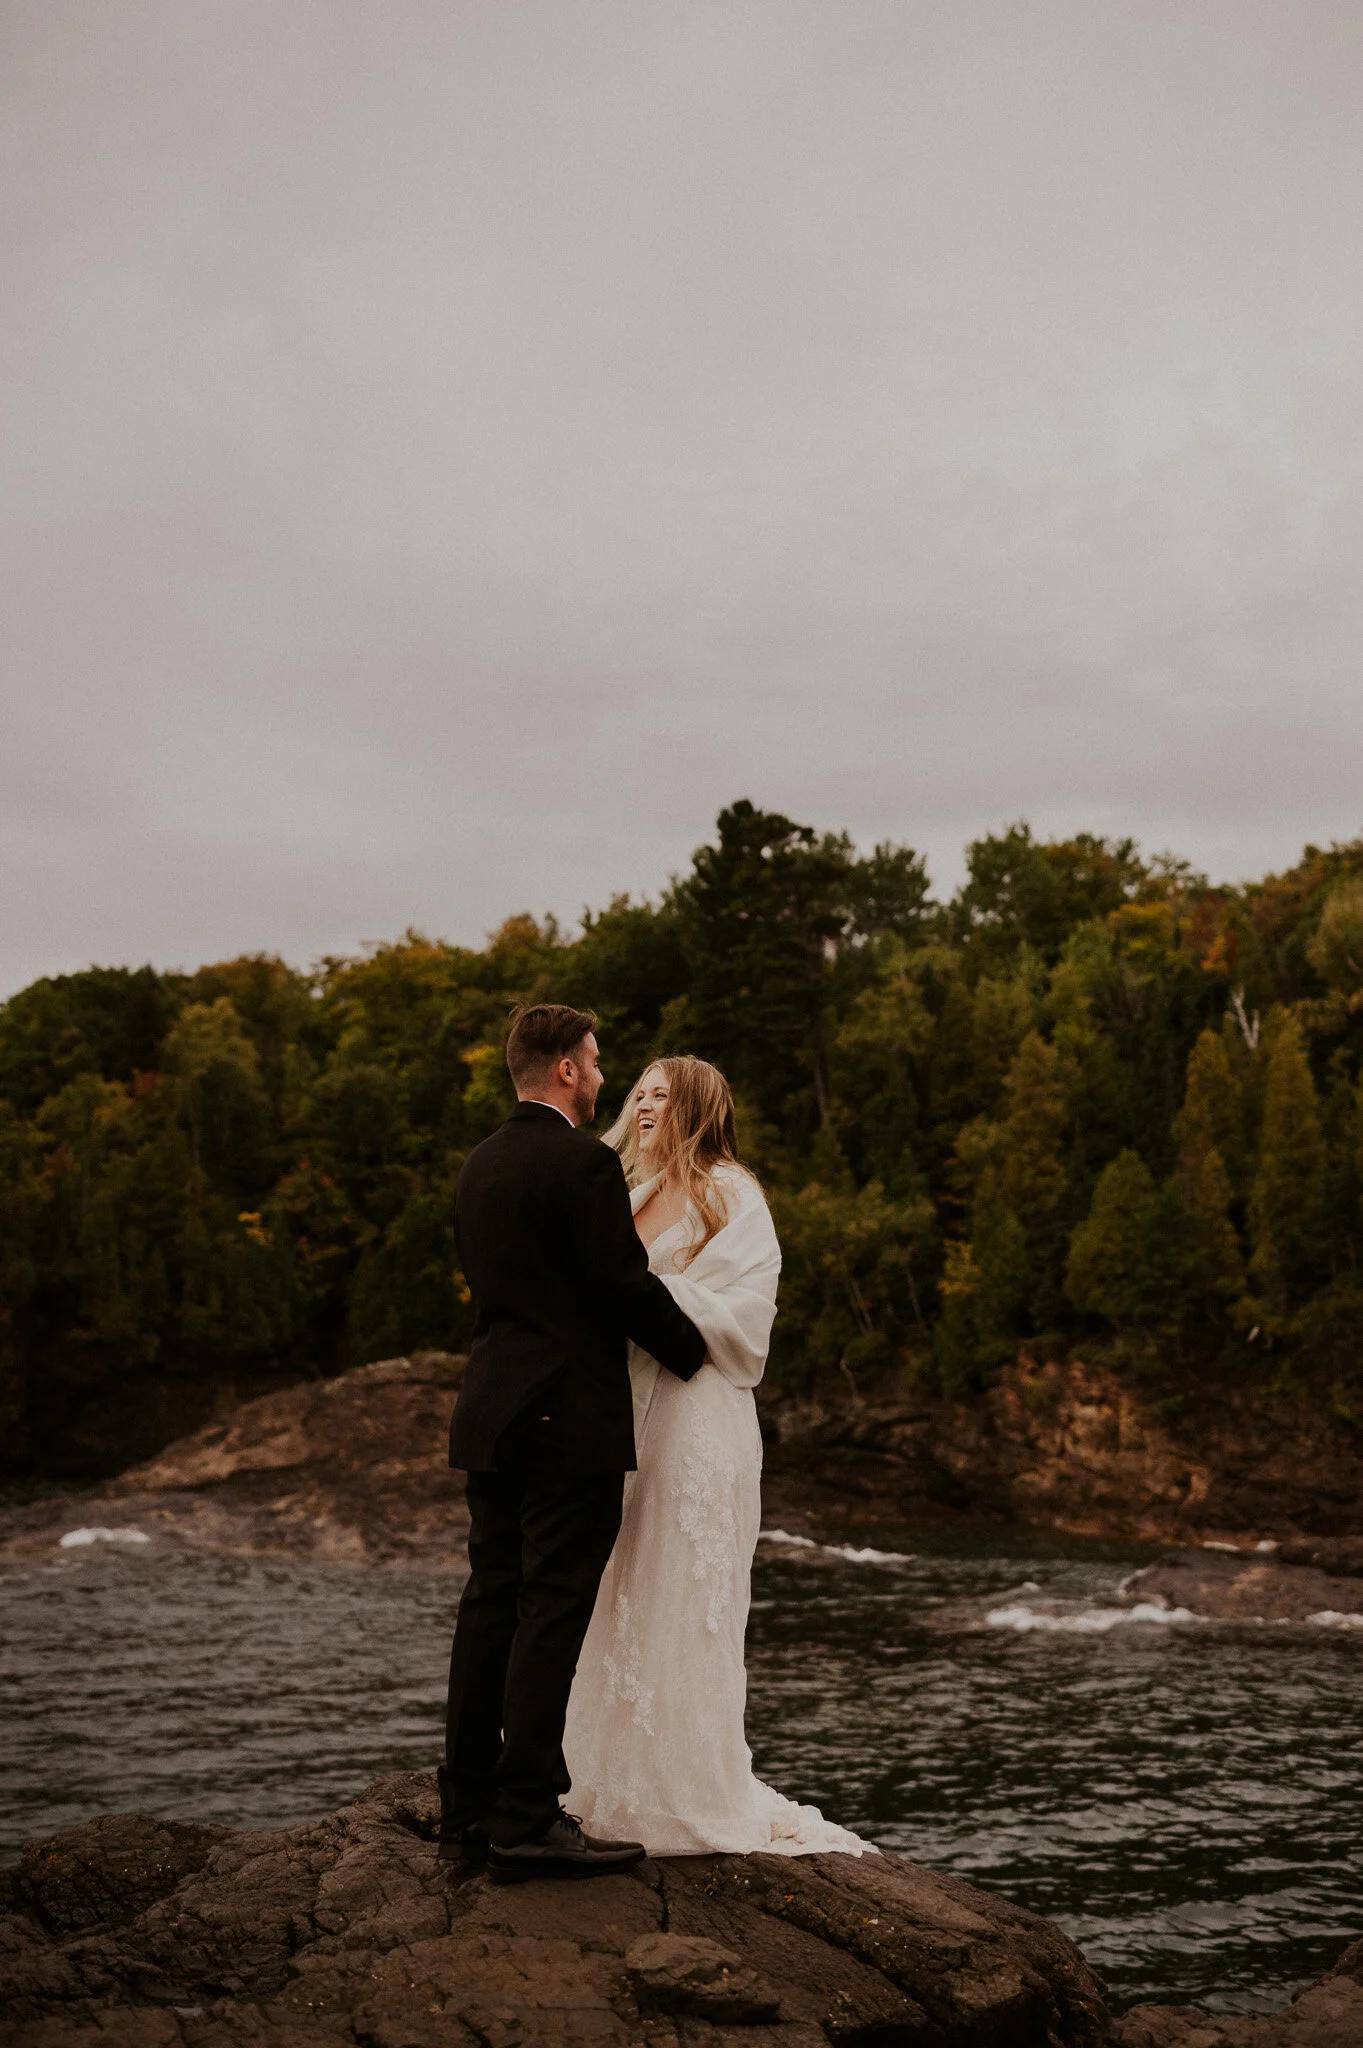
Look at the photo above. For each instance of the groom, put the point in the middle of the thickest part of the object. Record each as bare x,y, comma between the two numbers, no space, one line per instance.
544,1427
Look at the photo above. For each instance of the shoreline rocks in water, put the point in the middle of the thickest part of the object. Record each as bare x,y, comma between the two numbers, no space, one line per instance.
354,1470
349,1470
1235,1587
129,1932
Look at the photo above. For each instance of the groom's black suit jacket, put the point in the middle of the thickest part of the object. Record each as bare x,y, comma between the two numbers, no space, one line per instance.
559,1280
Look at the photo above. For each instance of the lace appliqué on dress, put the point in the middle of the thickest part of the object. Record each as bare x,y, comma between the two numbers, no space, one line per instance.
706,1512
623,1681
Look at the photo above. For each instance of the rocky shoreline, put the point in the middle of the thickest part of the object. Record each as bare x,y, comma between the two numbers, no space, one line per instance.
353,1470
1076,1447
130,1932
135,1933
350,1470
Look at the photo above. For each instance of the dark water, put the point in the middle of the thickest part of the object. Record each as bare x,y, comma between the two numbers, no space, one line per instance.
1184,1799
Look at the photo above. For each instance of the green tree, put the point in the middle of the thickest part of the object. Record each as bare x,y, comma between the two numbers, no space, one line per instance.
1026,892
405,1292
984,1292
221,1097
763,917
1287,1200
1213,1113
1335,948
277,1009
1130,1260
1209,1127
1003,1282
850,1298
1032,1175
107,1021
628,966
877,1070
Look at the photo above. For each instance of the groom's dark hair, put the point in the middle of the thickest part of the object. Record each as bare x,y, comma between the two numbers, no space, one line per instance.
541,1035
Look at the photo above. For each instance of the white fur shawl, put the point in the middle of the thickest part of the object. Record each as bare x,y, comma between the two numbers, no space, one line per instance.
729,1288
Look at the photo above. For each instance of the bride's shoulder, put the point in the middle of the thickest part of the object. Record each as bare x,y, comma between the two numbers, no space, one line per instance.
739,1189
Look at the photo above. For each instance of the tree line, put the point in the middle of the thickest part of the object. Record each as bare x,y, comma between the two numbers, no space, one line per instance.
1092,1099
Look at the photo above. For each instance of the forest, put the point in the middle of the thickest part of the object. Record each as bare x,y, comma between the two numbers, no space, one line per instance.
1093,1100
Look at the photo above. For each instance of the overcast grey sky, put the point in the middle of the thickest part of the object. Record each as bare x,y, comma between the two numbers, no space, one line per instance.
450,447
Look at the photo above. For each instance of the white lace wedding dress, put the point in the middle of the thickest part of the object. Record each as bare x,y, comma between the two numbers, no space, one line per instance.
654,1739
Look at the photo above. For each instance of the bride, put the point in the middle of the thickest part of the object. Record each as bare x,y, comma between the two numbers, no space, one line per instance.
654,1738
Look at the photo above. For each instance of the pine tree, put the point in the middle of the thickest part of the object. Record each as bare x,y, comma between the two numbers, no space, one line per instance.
951,1097
1207,1198
1033,1136
1287,1199
1108,1269
1003,1281
1213,1113
1210,1125
1002,1018
1335,949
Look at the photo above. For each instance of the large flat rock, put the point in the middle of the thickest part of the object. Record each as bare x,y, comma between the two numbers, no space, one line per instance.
129,1932
133,1933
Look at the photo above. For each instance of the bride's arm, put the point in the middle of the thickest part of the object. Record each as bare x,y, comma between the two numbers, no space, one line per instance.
729,1293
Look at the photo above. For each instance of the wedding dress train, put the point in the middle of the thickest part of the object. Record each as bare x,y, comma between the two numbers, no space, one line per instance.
654,1737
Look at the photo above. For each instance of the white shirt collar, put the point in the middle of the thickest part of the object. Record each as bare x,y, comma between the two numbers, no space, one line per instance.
551,1105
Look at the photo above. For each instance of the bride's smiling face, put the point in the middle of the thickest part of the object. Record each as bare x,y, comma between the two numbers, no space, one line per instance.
650,1100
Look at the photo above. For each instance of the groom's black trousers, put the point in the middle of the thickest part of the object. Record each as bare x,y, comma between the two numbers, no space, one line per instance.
539,1540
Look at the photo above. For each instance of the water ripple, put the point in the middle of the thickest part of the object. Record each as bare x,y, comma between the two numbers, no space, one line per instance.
1187,1802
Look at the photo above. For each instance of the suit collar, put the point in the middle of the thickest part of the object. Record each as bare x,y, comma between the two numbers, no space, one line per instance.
540,1112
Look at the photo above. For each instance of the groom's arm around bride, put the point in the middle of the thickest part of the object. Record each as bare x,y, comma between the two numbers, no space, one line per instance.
544,1429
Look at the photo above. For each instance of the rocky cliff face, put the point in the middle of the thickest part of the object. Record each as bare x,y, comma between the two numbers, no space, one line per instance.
356,1468
136,1933
1075,1447
351,1469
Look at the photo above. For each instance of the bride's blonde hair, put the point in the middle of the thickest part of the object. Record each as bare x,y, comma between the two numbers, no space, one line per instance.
695,1134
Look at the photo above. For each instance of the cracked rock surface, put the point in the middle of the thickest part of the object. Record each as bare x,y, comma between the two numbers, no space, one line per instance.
135,1933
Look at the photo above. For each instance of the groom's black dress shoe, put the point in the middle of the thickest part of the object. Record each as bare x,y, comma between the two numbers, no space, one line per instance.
562,1850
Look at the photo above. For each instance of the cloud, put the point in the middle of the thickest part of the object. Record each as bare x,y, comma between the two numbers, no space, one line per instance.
450,451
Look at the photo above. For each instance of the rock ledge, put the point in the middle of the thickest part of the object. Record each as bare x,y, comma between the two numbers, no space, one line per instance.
346,1933
135,1933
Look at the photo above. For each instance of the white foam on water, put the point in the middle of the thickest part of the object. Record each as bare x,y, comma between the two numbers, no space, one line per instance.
74,1539
1087,1621
846,1551
1328,1618
854,1556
